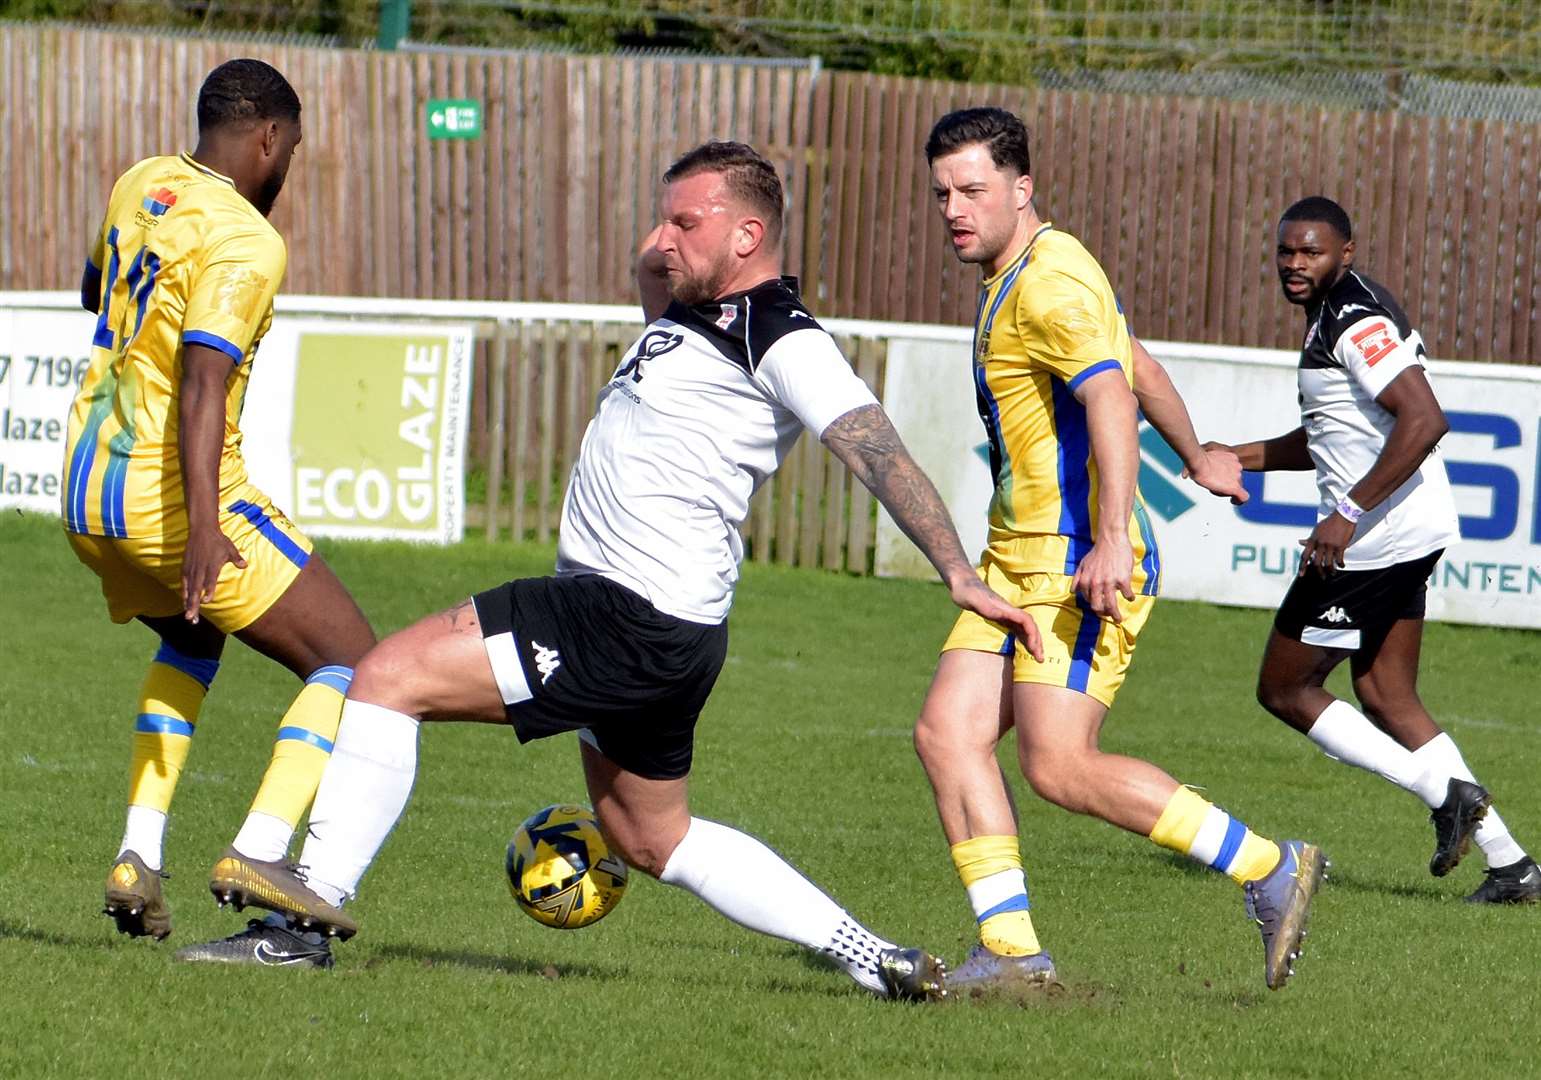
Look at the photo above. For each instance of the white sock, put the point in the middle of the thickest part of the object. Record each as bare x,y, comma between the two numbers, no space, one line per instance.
1345,734
746,881
143,833
363,791
1492,836
263,837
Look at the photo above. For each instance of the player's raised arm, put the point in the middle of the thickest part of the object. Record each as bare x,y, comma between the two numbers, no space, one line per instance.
201,420
1211,466
865,440
652,278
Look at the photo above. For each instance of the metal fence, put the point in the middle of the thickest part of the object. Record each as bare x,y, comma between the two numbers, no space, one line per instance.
1478,38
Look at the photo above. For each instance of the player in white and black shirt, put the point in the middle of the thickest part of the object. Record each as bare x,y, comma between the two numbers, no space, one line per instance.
624,643
1370,428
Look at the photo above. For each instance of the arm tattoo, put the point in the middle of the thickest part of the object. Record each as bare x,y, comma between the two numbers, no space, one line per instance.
865,440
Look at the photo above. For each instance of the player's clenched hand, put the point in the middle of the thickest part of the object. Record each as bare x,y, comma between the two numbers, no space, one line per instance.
650,260
208,550
971,594
1325,547
1219,473
1104,574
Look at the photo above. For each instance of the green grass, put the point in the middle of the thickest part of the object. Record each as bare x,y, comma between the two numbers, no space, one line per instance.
805,744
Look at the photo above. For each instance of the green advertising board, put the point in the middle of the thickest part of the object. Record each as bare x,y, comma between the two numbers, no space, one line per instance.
377,433
454,118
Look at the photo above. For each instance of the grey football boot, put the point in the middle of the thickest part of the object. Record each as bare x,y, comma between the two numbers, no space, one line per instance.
1279,904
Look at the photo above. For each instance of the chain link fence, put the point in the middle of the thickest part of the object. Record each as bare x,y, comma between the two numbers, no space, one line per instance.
1004,40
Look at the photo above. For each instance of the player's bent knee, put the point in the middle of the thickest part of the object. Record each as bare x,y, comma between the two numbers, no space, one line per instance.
1281,700
390,675
1055,778
637,846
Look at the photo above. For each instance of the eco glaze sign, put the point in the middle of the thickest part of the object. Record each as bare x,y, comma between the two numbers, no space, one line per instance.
375,428
1246,555
354,429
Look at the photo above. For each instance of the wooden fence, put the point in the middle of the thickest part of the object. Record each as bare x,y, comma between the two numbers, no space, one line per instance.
1176,196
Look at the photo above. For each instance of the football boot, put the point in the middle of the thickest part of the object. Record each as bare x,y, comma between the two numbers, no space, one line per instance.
984,970
1517,883
278,886
912,975
134,898
1279,903
266,943
1455,821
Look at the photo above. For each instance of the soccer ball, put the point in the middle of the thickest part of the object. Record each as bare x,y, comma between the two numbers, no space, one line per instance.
560,869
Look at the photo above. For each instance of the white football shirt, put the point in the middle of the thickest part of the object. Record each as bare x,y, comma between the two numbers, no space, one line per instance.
1360,341
704,406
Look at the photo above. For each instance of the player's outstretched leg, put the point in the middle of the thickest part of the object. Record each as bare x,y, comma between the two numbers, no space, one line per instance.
1277,880
1057,731
648,822
435,669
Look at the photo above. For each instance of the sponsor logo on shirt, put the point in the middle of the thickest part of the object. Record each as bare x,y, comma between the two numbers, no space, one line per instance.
654,344
159,201
729,313
1374,342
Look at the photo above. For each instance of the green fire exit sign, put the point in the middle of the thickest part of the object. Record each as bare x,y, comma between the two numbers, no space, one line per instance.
454,118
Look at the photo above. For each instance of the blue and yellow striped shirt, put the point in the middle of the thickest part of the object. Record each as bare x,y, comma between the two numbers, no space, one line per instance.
1046,322
185,259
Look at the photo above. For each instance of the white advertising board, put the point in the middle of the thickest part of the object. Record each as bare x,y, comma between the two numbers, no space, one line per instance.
353,428
1245,555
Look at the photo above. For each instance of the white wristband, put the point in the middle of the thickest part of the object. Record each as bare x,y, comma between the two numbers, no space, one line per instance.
1350,510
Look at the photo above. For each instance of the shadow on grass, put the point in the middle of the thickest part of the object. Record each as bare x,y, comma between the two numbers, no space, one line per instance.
19,932
508,965
1076,994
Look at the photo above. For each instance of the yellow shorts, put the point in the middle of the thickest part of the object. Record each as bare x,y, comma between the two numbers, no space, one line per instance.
1080,651
143,576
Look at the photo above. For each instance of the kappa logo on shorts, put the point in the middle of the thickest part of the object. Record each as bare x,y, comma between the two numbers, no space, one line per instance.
1335,615
546,660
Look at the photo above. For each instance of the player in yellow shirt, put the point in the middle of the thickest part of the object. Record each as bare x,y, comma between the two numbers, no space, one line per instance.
1056,376
156,501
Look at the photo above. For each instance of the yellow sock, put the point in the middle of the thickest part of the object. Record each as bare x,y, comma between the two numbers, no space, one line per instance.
304,743
991,869
169,700
1194,826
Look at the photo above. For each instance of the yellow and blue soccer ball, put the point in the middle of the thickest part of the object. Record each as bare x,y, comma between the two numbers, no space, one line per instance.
561,871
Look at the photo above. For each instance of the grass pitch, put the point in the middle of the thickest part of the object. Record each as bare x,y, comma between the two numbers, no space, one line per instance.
805,744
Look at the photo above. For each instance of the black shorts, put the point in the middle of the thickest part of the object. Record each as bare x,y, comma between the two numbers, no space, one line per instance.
1354,610
581,652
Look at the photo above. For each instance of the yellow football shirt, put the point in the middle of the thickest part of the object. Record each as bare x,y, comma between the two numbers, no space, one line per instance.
185,259
1046,322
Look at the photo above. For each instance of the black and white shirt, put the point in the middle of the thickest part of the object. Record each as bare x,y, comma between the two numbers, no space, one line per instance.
1357,341
705,405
